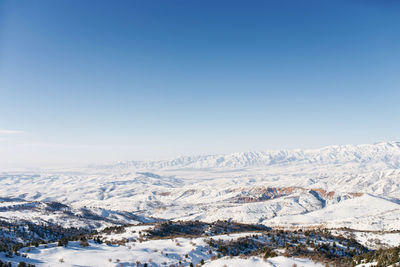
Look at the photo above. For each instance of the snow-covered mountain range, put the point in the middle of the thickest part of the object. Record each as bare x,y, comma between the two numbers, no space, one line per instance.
354,186
387,153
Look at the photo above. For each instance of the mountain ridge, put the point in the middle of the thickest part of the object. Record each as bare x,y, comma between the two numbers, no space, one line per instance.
388,152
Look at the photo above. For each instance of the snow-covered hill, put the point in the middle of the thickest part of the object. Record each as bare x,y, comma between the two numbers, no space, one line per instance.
180,251
287,187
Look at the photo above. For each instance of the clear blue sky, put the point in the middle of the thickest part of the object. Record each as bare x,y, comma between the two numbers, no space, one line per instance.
89,81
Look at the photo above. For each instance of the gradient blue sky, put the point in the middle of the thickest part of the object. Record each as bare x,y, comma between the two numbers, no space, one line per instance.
90,81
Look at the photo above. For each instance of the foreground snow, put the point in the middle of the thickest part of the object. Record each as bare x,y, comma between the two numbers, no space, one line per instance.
154,252
258,262
372,240
162,252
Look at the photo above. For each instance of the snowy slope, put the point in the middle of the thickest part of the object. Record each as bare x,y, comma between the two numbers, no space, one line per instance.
366,212
154,252
257,262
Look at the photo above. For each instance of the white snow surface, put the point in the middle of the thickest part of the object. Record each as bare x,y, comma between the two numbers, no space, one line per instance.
283,188
279,261
163,252
372,240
